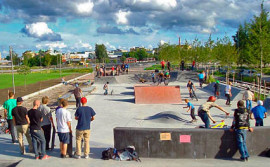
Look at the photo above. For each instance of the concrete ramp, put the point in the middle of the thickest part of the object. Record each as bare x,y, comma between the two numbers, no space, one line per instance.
145,94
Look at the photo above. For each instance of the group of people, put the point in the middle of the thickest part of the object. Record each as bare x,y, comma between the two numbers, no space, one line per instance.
37,123
161,77
114,70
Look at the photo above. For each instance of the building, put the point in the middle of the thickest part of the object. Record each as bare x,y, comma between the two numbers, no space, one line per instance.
130,60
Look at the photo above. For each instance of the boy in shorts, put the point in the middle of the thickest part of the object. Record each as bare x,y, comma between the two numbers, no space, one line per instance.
63,119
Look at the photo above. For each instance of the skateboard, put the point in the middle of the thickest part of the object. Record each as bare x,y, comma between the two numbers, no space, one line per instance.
53,138
70,147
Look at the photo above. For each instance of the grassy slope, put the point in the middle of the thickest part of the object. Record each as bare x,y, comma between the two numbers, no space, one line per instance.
6,79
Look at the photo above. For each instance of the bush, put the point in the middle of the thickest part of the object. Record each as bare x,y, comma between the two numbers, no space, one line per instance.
211,79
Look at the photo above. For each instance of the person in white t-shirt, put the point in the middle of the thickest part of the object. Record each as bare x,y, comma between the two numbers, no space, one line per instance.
248,96
63,119
228,93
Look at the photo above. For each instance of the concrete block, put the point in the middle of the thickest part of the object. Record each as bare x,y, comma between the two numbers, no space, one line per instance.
204,143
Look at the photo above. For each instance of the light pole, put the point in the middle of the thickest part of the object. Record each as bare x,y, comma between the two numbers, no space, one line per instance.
11,57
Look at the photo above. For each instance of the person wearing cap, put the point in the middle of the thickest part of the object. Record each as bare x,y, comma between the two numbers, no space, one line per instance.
84,115
248,96
8,106
204,111
240,125
259,113
217,88
21,122
47,121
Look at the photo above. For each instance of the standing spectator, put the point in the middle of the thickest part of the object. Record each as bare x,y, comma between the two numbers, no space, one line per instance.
162,64
37,134
217,88
97,70
127,67
47,121
101,72
241,125
160,77
201,77
228,93
191,108
183,65
259,113
193,65
21,122
104,70
204,111
112,70
84,115
248,96
63,119
153,77
169,65
106,87
78,95
8,106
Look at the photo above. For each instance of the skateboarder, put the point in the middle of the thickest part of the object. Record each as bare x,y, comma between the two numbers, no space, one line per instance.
191,108
241,125
78,95
259,113
106,87
228,93
191,89
153,77
204,111
63,119
248,96
160,77
169,65
84,115
201,78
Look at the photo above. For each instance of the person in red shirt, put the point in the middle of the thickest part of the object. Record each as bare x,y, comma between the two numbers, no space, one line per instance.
112,70
162,64
193,65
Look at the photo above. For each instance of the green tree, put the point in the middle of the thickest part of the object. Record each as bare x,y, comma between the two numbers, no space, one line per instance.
24,70
101,52
26,57
123,59
47,60
141,54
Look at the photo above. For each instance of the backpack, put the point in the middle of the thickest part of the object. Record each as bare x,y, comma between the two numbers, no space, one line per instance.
128,154
109,153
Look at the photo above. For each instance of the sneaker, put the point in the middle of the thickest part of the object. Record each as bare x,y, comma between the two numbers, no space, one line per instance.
45,157
242,159
37,158
246,158
63,156
86,156
77,156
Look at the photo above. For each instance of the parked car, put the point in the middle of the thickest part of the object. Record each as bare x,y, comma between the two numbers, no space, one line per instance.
248,73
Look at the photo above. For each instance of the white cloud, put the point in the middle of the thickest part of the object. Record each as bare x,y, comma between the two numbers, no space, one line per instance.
53,45
155,4
121,17
85,45
161,42
86,7
109,46
38,29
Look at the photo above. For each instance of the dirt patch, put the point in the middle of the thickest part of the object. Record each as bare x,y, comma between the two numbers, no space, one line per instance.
52,94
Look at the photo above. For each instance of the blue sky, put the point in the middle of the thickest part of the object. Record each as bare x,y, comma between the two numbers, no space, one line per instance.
77,25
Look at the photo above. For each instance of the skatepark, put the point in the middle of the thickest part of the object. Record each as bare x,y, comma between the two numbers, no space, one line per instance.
120,109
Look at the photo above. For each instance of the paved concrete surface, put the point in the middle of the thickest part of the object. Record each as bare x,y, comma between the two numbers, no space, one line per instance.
119,110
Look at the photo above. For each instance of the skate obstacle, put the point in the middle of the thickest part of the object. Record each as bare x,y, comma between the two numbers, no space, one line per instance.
189,143
147,94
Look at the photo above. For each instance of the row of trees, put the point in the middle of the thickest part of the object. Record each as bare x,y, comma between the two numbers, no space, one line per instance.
41,59
249,45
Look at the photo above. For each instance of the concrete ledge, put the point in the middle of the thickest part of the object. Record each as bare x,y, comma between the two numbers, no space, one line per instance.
204,143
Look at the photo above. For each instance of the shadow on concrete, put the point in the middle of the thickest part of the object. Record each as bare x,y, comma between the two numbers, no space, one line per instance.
227,148
9,163
96,153
12,150
165,117
124,100
127,93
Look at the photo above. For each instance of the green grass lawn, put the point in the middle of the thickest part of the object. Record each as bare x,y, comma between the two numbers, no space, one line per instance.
6,79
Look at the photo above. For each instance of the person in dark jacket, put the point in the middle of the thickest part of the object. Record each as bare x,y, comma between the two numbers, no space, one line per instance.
241,125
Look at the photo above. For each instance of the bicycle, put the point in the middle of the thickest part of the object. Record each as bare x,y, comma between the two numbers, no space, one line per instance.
192,94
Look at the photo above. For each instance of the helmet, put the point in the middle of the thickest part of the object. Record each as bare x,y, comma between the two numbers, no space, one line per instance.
212,98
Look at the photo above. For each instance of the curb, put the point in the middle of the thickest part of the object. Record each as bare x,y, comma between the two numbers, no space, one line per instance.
49,88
